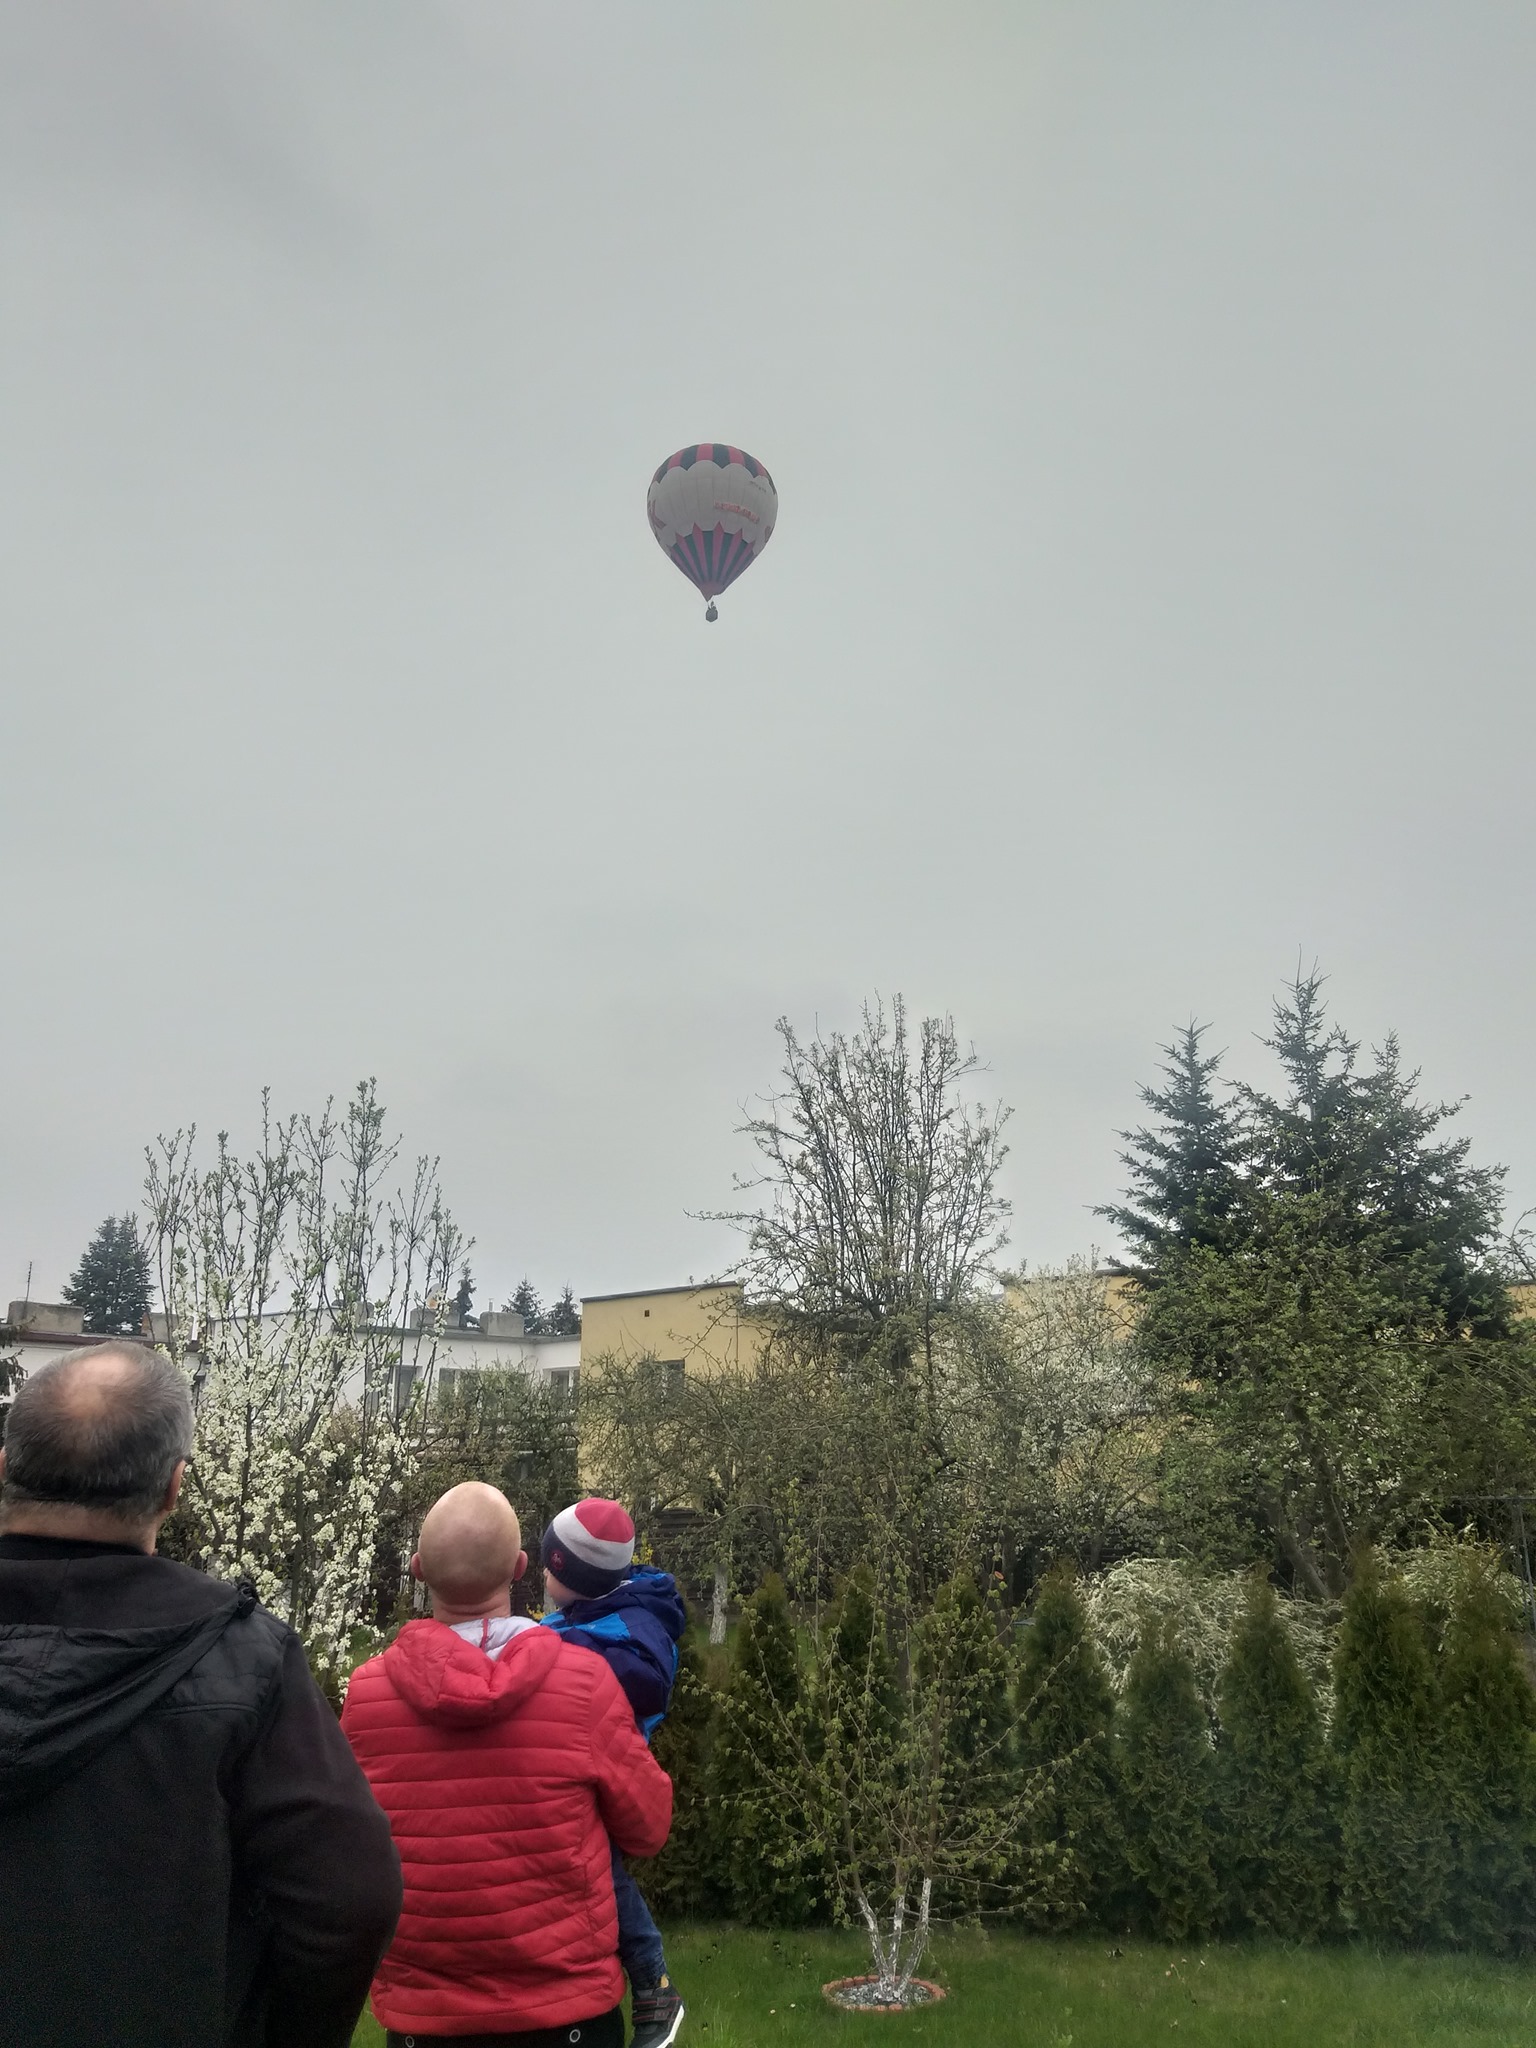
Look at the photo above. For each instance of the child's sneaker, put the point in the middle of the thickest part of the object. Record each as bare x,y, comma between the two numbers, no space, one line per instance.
658,2013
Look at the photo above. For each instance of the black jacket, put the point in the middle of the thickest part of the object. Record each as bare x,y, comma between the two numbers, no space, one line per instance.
189,1855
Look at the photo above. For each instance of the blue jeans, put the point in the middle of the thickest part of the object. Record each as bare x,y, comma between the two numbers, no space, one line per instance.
640,1949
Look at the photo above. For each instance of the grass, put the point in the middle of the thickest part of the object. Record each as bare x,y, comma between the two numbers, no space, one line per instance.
751,1990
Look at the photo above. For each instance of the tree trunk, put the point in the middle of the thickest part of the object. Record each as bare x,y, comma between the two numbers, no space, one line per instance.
717,1605
885,1966
919,1943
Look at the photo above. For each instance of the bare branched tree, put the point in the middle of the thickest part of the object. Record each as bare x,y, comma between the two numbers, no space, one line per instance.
1519,1250
881,1205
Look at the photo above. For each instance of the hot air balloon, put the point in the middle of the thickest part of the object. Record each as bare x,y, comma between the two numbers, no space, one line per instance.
713,509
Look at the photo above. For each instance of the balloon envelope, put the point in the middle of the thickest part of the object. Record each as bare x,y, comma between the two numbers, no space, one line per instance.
712,509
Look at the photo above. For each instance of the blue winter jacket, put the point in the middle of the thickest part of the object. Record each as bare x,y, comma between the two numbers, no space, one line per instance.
635,1630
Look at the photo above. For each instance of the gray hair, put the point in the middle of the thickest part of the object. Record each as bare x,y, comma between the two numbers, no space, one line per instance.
82,1439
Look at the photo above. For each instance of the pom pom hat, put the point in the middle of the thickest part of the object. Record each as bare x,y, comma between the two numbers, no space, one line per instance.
589,1547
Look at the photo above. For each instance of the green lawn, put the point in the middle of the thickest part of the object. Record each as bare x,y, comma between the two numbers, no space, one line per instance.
747,1990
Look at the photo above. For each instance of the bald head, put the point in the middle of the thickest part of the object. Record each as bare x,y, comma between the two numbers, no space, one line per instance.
103,1430
471,1550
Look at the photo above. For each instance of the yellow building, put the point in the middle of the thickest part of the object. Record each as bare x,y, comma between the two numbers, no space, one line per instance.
706,1329
1112,1284
700,1330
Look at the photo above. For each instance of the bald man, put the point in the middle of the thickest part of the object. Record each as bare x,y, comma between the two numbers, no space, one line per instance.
469,1556
505,1759
189,1855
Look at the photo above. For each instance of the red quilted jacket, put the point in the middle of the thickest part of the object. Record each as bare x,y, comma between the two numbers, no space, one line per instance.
503,1780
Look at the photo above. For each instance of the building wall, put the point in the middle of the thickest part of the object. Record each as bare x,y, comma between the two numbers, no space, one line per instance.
37,1332
49,1330
35,1349
1119,1290
553,1359
702,1326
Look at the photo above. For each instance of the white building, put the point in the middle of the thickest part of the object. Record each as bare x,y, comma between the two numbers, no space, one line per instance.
39,1331
500,1344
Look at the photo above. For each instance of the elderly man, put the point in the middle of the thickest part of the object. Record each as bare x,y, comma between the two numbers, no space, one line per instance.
189,1856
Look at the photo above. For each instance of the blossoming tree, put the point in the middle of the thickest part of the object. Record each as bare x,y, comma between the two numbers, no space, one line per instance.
289,1281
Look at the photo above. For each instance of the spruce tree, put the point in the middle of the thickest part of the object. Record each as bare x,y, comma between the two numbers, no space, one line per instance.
688,1876
767,1882
112,1282
1396,1849
525,1303
1184,1182
1312,1260
1074,1864
1167,1770
1275,1857
1489,1734
1364,1139
564,1318
1355,1139
464,1297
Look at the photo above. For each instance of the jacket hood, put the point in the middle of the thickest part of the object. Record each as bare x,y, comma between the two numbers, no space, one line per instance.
456,1684
67,1690
655,1592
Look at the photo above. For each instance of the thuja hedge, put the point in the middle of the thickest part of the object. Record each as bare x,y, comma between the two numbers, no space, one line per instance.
1409,1817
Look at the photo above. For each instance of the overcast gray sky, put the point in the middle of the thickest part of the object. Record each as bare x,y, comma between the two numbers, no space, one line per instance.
1150,396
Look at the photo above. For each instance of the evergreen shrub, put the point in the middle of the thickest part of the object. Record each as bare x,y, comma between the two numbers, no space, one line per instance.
962,1684
1488,1736
688,1878
1412,1820
760,1835
1394,1823
1276,1855
1073,1868
1168,1771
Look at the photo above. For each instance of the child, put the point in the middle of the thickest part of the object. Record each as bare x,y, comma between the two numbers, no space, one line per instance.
632,1617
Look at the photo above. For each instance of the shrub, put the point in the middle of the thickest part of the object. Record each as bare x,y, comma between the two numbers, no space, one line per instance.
760,1833
961,1679
1395,1833
856,1675
1487,1719
1066,1707
910,1781
1167,1769
1205,1607
688,1876
1276,1853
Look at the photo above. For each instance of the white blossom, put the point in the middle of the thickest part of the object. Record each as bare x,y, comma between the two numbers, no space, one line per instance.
288,1281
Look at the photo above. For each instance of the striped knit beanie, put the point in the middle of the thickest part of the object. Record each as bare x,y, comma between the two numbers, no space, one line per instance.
589,1547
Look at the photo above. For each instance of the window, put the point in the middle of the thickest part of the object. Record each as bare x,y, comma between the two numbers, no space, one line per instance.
665,1378
563,1378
